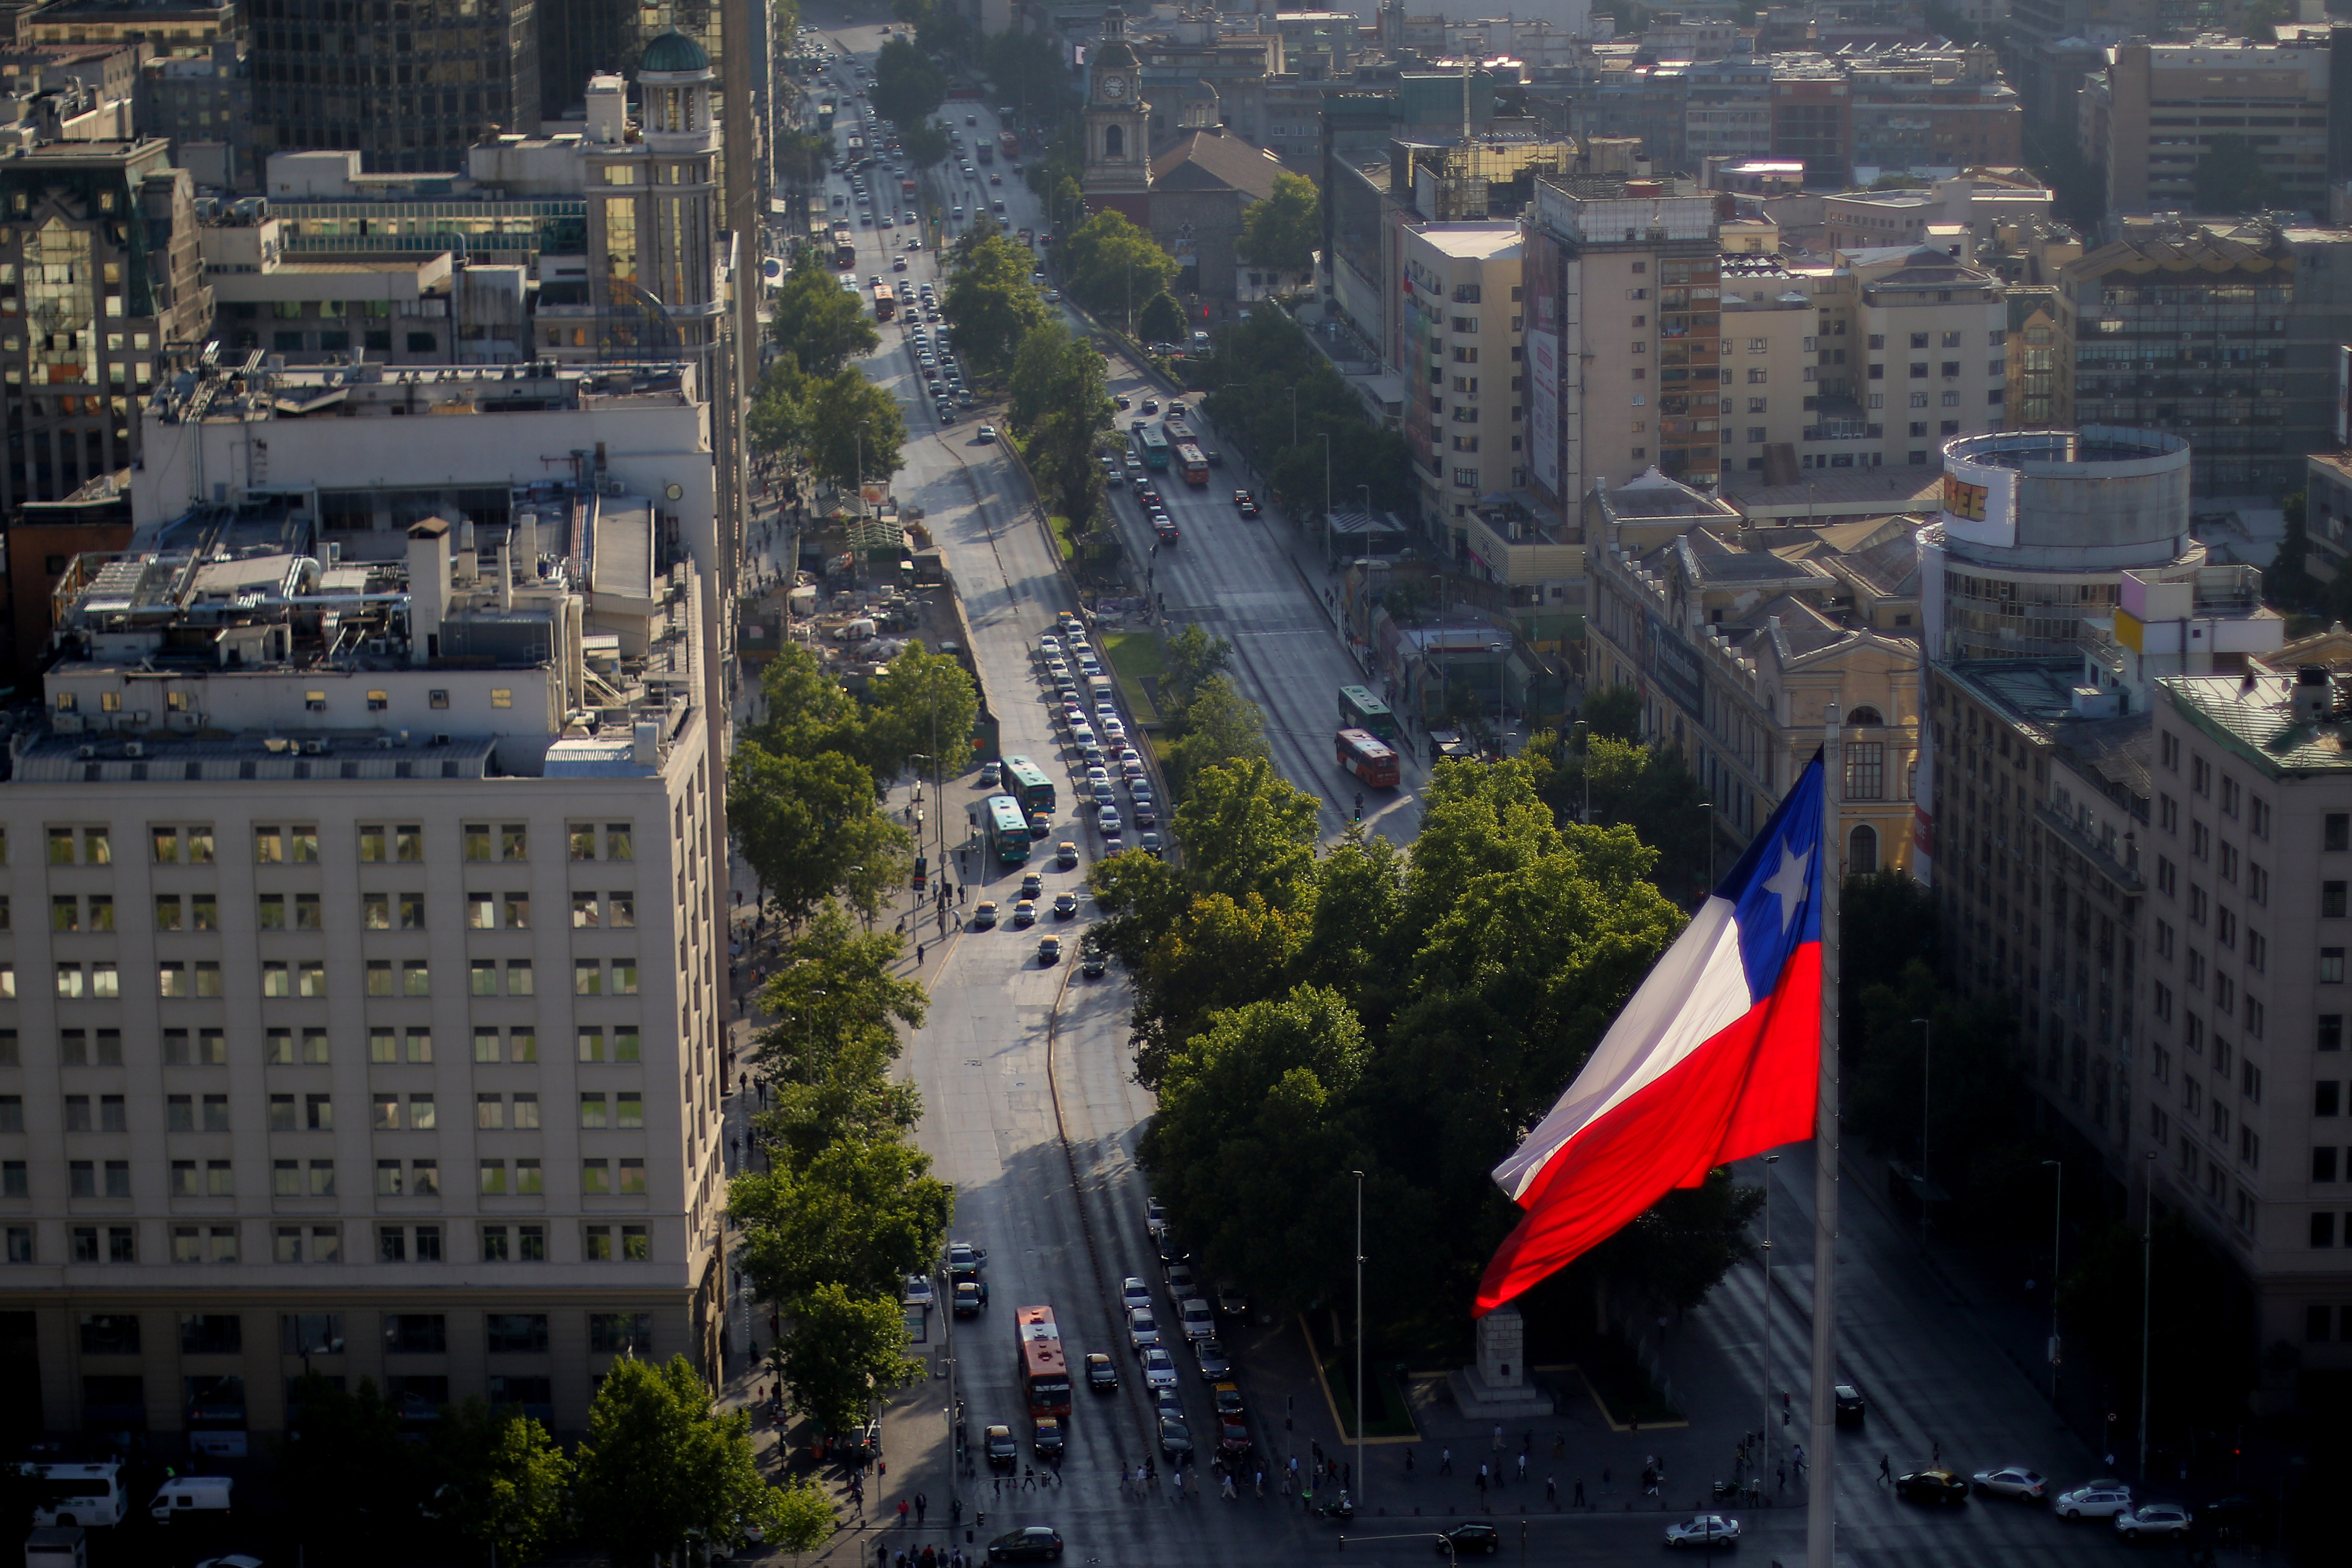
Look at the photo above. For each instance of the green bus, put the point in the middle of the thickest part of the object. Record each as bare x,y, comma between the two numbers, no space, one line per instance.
1028,784
1008,829
1155,448
1360,710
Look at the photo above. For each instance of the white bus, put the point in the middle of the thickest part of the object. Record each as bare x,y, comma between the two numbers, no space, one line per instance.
87,1495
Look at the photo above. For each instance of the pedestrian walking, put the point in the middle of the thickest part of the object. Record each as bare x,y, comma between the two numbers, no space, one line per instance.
1780,1473
1885,1470
922,1506
902,1513
1230,1493
1551,1490
1559,1445
1176,1484
1445,1461
1482,1484
1578,1499
1523,1469
1408,1461
1258,1480
1498,1436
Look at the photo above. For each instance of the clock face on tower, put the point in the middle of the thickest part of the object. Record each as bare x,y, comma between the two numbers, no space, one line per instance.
1115,88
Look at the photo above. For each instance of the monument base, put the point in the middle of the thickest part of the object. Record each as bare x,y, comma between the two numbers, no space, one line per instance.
1482,1401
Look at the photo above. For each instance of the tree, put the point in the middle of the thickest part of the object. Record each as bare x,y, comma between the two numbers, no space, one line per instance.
831,989
1031,70
907,87
1192,655
804,708
1060,406
1246,829
1284,231
862,1215
1614,711
1112,266
990,302
924,145
804,1516
777,421
2198,1327
660,1467
819,323
1219,726
854,430
2230,178
1160,320
807,824
844,1352
1222,952
1251,1148
922,704
347,1471
503,1481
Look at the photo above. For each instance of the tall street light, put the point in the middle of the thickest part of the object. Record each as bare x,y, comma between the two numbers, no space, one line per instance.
1360,1338
1325,435
2057,1237
1498,649
1926,1087
1708,807
1764,1432
1580,733
2147,1284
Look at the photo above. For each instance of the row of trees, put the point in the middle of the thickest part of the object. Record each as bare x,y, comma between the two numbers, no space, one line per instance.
661,1467
812,405
1261,368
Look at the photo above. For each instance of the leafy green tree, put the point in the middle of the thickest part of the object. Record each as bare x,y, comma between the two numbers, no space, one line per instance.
861,1215
1218,726
849,1095
1614,711
504,1483
347,1472
834,988
800,157
1112,266
1031,69
990,302
661,1467
924,145
844,1352
1191,656
807,824
2229,177
1141,899
922,704
777,421
1284,231
1682,1245
854,430
1251,1148
820,324
1160,320
907,87
1220,953
1246,829
1061,406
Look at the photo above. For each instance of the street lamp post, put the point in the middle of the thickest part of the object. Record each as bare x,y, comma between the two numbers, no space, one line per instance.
1325,437
1498,649
2057,1238
1926,1087
1360,1338
2146,1285
1582,733
1708,807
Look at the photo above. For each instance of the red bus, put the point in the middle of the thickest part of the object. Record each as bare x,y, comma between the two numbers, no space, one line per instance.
886,302
845,248
1190,461
1044,1370
1369,758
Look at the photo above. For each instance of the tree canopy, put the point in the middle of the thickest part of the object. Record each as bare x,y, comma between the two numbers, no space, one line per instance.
844,1352
855,429
907,87
1111,266
1284,231
991,301
1160,320
1258,363
661,1466
1061,406
816,322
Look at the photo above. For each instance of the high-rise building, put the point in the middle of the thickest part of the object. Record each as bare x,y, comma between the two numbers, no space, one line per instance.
410,87
362,1006
1464,417
2162,108
104,281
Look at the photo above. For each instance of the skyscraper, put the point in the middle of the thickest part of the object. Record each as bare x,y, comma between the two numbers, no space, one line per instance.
411,86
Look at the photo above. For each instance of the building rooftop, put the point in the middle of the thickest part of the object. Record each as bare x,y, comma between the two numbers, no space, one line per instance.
1471,241
256,390
2038,695
2255,716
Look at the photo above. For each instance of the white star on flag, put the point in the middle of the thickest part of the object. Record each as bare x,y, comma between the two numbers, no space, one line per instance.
1788,882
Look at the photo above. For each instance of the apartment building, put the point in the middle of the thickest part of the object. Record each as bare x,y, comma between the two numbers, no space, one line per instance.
1464,420
311,849
1626,348
481,67
2156,108
1768,321
1910,349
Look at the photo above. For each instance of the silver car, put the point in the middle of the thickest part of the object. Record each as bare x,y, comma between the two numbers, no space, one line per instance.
1159,1368
2153,1519
2095,1500
1133,1293
1142,1327
1705,1532
2013,1482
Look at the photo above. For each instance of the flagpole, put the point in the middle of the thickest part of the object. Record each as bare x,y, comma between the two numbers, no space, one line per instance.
1820,1496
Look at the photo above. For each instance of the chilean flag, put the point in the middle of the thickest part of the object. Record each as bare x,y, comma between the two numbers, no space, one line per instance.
1715,1058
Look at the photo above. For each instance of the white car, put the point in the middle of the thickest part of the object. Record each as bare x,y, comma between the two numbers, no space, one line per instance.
1050,647
2013,1482
1706,1530
919,1292
1142,1327
2153,1518
2095,1500
1133,1293
1199,1319
1159,1368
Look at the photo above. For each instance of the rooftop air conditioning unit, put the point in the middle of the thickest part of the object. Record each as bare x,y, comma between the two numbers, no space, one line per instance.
383,742
134,749
85,753
440,739
66,723
313,748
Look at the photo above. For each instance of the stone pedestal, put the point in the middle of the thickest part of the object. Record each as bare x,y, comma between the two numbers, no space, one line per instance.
1497,1387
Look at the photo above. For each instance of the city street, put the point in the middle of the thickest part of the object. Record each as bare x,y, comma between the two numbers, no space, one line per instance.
1031,1111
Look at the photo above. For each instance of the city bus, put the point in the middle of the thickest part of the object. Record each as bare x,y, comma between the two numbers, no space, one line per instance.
1155,447
886,302
824,112
1008,829
1192,462
845,248
1360,710
1044,1370
1368,758
1029,784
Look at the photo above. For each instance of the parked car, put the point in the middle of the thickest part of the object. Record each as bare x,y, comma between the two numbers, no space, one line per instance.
1476,1535
1707,1532
970,1295
2013,1482
2093,1500
2153,1519
919,1292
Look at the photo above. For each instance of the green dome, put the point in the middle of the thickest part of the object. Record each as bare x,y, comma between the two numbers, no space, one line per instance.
675,52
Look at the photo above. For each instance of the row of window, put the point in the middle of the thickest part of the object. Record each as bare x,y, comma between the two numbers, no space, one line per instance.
324,1243
298,843
403,1333
599,1108
102,980
209,1048
303,911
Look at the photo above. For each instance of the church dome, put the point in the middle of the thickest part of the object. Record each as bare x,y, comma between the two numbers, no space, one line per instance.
675,52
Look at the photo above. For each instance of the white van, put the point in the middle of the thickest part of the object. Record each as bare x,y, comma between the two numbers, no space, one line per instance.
1099,688
191,1495
87,1495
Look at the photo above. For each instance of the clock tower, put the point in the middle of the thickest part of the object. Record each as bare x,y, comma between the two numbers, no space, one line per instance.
1118,174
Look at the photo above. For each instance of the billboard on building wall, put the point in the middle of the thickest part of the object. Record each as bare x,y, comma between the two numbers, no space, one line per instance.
1542,274
1979,502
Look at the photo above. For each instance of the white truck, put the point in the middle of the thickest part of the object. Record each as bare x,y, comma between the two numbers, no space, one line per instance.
187,1495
